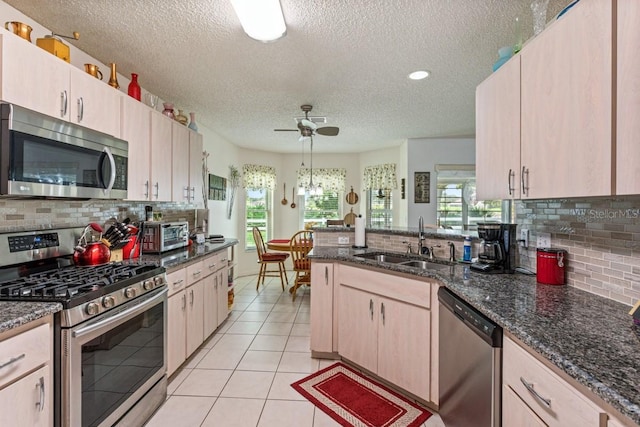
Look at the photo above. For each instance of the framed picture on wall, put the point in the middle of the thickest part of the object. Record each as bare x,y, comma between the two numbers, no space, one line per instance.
422,187
217,187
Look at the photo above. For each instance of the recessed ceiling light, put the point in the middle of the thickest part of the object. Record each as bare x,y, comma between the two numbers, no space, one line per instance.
419,75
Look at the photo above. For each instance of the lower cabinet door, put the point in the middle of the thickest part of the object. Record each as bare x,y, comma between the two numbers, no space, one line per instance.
223,295
195,316
357,330
176,327
28,401
515,412
210,304
404,346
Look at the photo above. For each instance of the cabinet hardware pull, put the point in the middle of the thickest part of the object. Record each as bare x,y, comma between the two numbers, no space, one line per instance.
63,103
326,275
12,360
197,273
529,387
191,303
157,187
184,302
512,174
525,187
193,194
212,266
80,109
40,386
382,312
371,308
178,282
186,193
146,189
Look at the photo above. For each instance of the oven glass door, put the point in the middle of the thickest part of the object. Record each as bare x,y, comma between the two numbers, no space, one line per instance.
113,363
45,161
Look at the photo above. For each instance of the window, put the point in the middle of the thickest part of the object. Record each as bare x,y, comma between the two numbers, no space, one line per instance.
259,182
457,206
379,209
317,209
258,204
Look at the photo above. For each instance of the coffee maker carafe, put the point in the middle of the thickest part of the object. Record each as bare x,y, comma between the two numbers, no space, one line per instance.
497,250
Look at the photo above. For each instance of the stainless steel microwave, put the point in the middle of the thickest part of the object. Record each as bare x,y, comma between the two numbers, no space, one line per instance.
44,156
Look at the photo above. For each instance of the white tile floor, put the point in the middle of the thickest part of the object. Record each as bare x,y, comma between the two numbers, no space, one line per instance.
241,376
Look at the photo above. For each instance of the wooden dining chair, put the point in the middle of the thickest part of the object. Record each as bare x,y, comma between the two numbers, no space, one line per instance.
267,259
301,244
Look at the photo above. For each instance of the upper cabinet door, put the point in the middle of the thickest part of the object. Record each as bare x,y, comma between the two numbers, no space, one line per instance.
180,153
160,157
33,78
628,98
94,104
498,134
566,140
136,130
196,177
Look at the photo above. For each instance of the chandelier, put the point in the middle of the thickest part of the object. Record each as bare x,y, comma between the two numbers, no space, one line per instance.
311,189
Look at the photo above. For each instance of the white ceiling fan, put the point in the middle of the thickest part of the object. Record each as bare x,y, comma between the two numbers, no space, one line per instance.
308,128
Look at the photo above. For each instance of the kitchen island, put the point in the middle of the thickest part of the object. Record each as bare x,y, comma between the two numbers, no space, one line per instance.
588,340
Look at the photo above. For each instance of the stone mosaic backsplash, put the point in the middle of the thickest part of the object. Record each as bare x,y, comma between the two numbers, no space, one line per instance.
33,214
601,237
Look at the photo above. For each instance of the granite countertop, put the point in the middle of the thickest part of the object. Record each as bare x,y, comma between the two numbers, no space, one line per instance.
175,258
430,233
14,314
590,338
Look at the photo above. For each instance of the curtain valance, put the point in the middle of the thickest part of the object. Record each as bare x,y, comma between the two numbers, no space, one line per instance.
330,179
258,177
380,177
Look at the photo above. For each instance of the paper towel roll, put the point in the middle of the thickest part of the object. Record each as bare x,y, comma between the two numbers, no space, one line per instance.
360,240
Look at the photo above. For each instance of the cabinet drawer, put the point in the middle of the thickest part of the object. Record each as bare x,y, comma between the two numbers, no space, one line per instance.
214,263
564,406
24,352
195,272
177,281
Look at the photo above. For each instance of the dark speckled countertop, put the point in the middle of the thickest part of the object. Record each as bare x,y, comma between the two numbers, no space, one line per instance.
173,259
14,314
590,338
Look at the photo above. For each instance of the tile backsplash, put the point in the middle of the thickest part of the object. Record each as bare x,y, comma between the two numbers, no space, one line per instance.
601,237
33,214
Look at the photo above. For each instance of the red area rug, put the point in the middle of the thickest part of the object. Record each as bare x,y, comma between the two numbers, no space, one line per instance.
353,400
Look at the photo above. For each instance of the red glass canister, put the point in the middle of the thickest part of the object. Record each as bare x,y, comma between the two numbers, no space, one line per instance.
134,87
550,269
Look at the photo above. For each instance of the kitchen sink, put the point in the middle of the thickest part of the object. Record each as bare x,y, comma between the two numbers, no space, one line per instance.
406,261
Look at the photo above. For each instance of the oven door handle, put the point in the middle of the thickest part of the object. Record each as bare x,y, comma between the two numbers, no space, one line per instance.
128,313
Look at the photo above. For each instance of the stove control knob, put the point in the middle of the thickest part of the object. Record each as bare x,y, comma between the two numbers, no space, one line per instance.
108,302
147,285
129,292
92,308
158,280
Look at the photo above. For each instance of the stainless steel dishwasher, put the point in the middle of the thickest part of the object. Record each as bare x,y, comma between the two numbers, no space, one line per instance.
470,364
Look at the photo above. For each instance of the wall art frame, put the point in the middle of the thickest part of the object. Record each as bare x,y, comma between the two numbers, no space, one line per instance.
422,187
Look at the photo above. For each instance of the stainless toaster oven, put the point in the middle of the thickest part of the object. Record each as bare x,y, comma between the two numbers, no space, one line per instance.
165,236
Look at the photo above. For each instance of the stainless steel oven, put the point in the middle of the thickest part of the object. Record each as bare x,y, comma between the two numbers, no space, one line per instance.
113,361
45,156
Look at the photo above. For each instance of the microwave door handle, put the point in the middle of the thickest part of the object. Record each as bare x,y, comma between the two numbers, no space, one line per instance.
112,178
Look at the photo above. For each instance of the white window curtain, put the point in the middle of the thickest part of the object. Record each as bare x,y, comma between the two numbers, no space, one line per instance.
258,177
380,177
330,179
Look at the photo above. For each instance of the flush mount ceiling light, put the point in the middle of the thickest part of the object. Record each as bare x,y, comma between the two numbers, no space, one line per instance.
419,75
262,20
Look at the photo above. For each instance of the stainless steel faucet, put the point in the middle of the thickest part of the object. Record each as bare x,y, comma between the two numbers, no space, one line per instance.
421,248
452,252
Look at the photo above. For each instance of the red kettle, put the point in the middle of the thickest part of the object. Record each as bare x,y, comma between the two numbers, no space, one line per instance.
91,253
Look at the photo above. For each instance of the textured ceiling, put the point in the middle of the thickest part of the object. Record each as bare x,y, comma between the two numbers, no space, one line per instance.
348,58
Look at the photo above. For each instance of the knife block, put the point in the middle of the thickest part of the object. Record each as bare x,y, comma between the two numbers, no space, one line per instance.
116,255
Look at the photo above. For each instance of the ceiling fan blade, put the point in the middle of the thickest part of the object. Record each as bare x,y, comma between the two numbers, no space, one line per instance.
286,130
328,131
309,124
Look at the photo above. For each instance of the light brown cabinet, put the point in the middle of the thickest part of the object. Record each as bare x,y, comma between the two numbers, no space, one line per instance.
385,327
323,317
161,171
136,130
26,392
177,320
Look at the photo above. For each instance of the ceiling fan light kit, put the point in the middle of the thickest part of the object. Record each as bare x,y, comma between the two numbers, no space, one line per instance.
262,20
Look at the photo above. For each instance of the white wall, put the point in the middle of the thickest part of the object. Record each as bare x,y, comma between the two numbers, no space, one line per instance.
422,156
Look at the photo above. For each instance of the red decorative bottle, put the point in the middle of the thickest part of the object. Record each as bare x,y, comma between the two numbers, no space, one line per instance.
134,87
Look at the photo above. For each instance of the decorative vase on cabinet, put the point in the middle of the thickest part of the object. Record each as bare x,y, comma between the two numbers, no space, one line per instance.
168,110
192,122
181,118
113,79
134,87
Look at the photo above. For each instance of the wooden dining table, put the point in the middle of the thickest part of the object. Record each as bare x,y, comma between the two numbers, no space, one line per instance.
282,245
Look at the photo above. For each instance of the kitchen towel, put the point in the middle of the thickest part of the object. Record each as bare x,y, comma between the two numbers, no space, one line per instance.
360,238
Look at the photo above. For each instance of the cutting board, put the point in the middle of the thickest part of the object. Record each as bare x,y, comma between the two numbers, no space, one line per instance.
350,218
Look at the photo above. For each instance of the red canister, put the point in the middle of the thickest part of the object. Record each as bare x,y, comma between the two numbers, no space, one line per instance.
550,266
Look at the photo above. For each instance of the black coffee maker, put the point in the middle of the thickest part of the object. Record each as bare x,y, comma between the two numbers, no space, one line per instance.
498,248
